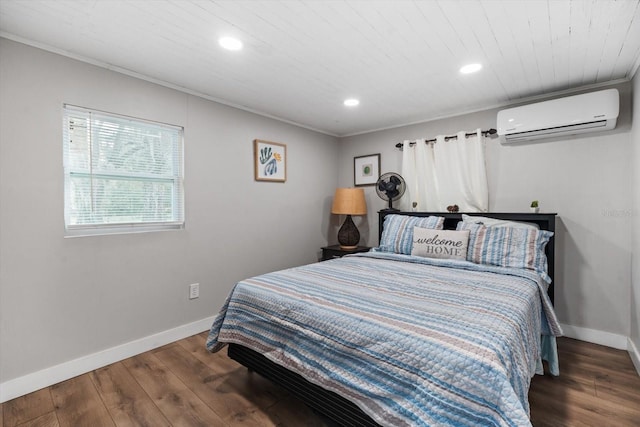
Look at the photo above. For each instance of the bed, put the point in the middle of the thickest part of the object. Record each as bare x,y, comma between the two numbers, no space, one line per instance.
390,338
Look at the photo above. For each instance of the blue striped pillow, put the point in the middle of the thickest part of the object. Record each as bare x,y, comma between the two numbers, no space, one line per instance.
397,234
508,247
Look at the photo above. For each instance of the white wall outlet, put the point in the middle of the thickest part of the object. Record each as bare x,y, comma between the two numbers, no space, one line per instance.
194,290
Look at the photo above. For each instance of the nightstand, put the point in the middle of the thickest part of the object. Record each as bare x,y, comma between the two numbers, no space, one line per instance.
334,251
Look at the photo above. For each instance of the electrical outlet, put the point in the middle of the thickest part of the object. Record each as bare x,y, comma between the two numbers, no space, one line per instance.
194,290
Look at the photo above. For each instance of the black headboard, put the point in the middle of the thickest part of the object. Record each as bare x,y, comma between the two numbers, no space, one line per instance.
546,221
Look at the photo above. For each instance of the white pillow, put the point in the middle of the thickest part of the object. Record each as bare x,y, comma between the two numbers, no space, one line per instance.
494,222
432,243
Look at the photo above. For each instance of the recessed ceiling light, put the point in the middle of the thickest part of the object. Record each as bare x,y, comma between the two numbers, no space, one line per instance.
230,43
470,68
351,102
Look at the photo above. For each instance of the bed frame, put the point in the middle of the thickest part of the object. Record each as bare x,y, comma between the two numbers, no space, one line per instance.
332,405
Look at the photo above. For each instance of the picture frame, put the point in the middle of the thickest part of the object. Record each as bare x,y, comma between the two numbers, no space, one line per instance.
270,161
366,170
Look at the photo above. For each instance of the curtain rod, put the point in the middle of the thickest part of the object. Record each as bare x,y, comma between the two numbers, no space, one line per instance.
446,138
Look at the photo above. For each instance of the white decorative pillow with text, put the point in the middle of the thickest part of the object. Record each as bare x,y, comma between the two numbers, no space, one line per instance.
431,243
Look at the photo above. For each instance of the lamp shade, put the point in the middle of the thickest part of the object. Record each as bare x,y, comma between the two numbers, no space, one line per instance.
349,201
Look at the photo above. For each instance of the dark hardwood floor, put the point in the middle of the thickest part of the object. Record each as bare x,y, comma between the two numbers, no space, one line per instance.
183,385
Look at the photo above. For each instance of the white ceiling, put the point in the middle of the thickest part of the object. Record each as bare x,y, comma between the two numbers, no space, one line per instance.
303,58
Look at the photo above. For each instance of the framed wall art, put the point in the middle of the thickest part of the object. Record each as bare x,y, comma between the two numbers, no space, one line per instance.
366,170
270,160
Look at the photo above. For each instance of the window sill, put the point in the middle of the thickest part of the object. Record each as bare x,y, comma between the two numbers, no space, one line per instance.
105,230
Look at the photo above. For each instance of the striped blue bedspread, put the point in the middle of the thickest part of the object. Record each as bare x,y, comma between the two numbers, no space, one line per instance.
412,341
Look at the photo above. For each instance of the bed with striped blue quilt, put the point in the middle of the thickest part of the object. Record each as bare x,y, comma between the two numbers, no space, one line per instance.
412,341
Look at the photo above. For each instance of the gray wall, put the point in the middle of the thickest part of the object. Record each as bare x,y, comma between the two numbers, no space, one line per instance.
635,216
586,180
65,298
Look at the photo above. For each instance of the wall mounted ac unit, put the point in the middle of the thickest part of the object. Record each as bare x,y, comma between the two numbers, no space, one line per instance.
589,112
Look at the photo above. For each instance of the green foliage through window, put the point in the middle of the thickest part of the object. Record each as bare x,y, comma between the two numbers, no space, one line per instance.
121,171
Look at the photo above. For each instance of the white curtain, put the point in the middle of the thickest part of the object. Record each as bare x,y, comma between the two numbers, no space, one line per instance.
443,173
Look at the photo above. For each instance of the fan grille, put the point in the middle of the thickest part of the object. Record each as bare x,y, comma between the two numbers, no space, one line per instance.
390,186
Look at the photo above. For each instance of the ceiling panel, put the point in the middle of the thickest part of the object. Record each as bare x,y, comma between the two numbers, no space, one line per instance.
303,58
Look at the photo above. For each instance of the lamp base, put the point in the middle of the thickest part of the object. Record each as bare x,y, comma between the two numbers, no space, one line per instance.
348,235
348,248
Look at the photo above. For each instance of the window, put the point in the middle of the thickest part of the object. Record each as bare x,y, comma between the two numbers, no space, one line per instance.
121,174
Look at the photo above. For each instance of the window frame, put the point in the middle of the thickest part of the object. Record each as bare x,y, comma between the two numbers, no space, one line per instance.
177,199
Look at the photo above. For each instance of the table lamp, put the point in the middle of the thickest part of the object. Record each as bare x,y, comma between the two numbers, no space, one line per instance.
349,201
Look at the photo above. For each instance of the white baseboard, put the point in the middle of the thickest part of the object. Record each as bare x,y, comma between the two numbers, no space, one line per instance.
596,337
635,355
35,381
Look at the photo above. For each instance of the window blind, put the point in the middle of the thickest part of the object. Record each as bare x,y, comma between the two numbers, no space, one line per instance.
121,173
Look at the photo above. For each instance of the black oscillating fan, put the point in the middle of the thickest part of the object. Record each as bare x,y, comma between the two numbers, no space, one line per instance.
390,187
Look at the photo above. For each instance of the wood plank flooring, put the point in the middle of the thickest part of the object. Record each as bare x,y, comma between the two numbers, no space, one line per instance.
181,384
